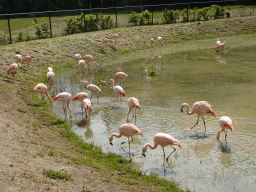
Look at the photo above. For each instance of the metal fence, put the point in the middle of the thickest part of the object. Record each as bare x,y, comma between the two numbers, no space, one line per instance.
18,26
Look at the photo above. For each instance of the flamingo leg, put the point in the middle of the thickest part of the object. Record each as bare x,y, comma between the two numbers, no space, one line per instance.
164,155
170,154
195,124
69,108
204,125
226,134
82,110
128,114
65,110
135,116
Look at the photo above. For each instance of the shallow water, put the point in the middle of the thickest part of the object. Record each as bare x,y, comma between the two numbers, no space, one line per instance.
226,80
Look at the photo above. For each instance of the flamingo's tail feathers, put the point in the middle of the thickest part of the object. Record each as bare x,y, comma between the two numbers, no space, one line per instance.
177,143
138,106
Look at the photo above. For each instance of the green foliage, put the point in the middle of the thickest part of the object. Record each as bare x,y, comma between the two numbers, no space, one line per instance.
20,37
139,17
216,11
146,15
184,14
62,174
106,22
74,24
134,18
42,31
170,16
152,72
90,23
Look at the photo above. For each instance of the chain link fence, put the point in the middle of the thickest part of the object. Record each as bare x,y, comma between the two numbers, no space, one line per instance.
34,25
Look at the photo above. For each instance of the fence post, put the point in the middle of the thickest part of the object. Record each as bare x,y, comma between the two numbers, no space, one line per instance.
116,17
9,29
50,24
188,13
152,17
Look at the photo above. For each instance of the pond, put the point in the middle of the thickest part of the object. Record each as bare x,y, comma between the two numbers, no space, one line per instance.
226,80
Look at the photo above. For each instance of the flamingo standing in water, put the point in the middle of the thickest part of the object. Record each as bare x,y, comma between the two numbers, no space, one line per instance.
121,76
152,41
201,108
77,57
50,75
115,36
86,104
133,103
82,63
163,140
127,130
18,57
42,88
13,68
159,39
27,58
65,97
225,123
222,45
117,89
80,97
92,88
89,58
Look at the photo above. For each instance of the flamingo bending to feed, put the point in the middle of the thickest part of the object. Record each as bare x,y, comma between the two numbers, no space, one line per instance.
222,45
13,68
225,123
80,97
159,39
217,43
133,103
77,57
151,41
89,58
50,75
86,104
82,63
65,97
105,41
163,140
117,89
18,57
115,36
201,108
121,76
27,58
92,88
42,88
127,130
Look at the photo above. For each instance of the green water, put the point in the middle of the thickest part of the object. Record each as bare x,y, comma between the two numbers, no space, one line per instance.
226,80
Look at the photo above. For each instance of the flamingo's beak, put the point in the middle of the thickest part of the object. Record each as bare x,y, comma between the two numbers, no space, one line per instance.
144,154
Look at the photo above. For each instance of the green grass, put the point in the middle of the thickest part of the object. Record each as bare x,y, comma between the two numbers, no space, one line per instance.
62,174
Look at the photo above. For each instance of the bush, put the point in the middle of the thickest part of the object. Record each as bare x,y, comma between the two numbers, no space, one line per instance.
90,23
106,22
217,11
134,18
170,16
74,24
42,31
20,37
146,15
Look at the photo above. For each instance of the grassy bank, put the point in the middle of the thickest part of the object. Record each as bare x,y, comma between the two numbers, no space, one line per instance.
38,149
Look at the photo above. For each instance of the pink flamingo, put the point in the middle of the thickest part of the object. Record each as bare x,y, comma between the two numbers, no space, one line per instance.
82,63
86,104
151,41
42,88
222,45
89,58
13,68
77,57
163,140
27,58
115,36
18,57
201,108
127,130
159,39
105,41
65,97
92,88
133,103
80,97
217,43
117,89
121,76
50,75
225,123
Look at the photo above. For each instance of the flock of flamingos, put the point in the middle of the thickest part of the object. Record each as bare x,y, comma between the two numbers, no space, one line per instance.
201,108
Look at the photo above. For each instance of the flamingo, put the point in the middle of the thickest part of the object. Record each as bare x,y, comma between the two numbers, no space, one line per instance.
13,68
82,63
117,89
93,88
27,58
217,43
115,36
133,103
222,45
163,140
18,57
65,97
77,57
121,76
105,41
151,41
86,104
89,58
127,130
225,123
42,88
80,97
159,39
201,108
50,75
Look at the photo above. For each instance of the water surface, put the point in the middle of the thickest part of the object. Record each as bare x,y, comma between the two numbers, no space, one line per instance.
226,80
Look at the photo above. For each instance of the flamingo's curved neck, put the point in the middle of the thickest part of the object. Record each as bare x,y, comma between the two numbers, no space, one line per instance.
152,147
113,84
189,113
49,97
116,135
